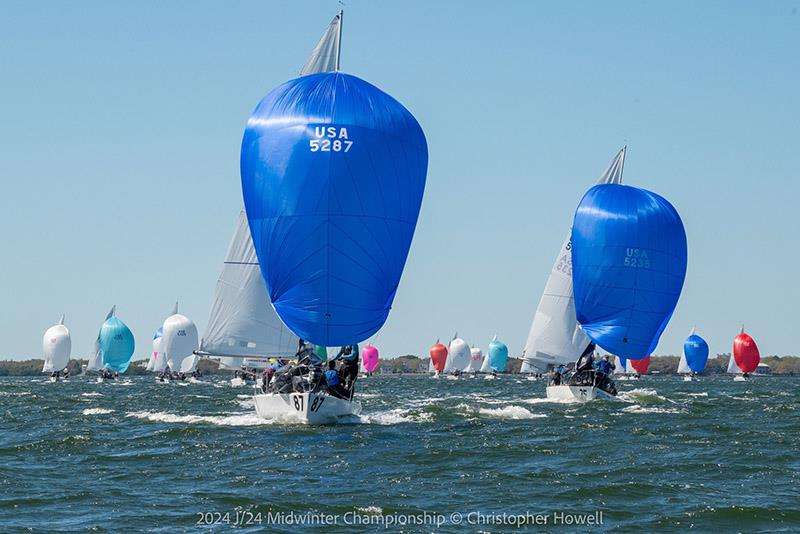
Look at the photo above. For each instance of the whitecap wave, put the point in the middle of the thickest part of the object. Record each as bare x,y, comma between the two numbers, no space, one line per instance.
393,417
97,411
635,408
703,394
92,394
510,412
235,419
642,394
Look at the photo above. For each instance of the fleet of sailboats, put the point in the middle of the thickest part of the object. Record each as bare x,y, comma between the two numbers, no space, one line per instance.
297,273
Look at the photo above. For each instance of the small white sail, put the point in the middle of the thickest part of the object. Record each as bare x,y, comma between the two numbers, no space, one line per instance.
96,357
325,55
56,345
629,368
179,341
485,366
683,367
555,336
732,367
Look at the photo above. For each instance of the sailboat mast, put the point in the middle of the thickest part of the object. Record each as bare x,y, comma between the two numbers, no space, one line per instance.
339,48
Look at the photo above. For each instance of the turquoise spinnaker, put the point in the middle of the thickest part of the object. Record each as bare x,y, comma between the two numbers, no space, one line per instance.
116,342
498,355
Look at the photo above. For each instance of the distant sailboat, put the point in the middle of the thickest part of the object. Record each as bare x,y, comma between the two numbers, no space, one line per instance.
458,356
438,361
152,362
555,336
113,348
693,357
57,346
745,357
496,358
475,360
179,343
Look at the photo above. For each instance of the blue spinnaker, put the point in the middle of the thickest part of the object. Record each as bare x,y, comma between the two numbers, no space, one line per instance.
695,349
116,342
628,267
498,355
333,171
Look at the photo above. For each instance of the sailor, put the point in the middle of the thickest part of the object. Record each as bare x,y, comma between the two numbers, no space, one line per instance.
349,355
266,378
333,382
605,366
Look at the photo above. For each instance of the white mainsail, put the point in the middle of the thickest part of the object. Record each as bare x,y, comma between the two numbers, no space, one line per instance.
683,366
56,345
486,366
242,321
555,336
96,357
619,367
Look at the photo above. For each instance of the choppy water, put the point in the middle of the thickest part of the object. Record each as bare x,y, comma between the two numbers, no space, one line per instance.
136,455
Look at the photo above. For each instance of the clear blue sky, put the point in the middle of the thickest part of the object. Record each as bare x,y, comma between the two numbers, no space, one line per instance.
121,124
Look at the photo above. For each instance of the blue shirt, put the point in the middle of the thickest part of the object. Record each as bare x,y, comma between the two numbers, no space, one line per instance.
332,377
605,367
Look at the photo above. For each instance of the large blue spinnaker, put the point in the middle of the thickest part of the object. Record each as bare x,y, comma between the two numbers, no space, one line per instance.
333,171
628,267
695,349
116,342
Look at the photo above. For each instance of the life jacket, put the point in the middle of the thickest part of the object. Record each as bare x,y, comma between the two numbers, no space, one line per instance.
332,377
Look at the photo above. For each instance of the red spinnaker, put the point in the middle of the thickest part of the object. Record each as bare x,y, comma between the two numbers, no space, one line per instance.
439,356
641,366
745,352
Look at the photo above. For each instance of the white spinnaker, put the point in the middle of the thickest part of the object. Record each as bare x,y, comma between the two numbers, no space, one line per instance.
555,336
179,341
96,357
458,355
242,321
56,345
475,360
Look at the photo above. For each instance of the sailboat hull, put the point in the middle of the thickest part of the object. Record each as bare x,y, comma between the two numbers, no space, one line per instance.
577,393
739,378
687,378
310,408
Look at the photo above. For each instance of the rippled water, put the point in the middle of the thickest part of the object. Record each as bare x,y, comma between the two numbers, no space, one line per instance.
137,455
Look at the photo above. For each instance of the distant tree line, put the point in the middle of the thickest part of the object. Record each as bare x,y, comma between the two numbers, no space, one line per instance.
779,365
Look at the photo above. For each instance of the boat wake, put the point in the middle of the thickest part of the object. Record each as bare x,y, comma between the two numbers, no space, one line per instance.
635,408
643,396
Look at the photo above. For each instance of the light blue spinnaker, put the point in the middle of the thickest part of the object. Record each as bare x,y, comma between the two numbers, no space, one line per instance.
498,355
117,344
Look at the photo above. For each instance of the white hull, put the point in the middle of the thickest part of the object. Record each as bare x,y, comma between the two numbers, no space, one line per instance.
489,377
312,408
100,379
739,378
577,393
687,378
530,378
